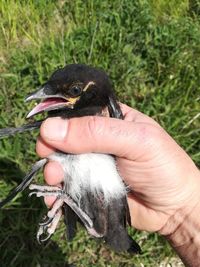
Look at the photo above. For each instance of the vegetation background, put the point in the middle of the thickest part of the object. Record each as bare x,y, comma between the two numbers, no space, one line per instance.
150,49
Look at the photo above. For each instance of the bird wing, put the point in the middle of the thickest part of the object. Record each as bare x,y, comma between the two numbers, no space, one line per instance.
25,182
114,108
27,127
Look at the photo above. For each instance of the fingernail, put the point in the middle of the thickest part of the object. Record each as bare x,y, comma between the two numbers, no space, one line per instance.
54,129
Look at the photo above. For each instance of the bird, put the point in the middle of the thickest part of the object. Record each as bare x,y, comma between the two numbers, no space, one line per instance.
93,192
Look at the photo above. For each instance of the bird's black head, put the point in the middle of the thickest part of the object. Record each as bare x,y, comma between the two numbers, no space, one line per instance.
74,88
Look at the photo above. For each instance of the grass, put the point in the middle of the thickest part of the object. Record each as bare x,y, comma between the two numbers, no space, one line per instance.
151,51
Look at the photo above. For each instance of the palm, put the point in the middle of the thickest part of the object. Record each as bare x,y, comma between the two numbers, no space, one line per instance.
150,173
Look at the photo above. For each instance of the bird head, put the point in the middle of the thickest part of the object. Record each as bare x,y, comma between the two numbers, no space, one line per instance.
74,88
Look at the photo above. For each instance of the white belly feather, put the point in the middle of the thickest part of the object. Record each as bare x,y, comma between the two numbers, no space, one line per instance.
91,172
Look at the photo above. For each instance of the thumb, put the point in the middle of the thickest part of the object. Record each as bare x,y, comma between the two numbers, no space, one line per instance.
92,134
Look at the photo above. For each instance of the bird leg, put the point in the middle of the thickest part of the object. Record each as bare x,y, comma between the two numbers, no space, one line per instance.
49,225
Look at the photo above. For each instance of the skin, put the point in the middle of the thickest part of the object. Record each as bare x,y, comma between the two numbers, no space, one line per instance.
164,182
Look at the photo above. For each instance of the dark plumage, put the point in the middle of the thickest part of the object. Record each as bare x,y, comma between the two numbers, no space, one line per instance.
74,91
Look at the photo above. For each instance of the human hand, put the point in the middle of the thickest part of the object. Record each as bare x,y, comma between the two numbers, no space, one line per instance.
162,178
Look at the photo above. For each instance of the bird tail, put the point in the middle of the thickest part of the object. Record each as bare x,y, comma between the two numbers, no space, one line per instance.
70,219
119,240
27,127
117,235
25,183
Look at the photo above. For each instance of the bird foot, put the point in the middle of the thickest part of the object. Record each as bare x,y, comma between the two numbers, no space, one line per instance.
48,226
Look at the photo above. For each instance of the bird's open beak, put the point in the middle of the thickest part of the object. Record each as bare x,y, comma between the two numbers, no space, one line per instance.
49,101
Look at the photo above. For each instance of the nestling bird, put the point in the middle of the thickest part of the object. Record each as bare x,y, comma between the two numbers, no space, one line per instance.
93,192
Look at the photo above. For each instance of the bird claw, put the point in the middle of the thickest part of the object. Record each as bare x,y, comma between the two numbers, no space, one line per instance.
46,221
43,232
48,227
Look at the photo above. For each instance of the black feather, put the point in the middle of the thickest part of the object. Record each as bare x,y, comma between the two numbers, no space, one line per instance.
27,127
70,219
114,108
25,182
117,236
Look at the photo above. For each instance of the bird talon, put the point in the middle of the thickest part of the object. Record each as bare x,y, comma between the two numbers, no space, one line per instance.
45,239
46,221
32,193
42,234
37,193
47,227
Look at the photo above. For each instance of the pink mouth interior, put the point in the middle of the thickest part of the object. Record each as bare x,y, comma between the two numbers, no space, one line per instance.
47,104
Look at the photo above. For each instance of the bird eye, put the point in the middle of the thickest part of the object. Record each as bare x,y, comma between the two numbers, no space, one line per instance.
75,90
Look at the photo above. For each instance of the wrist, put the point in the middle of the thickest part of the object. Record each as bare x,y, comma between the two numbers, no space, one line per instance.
182,230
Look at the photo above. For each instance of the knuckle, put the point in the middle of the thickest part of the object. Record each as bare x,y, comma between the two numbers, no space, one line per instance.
95,126
149,134
145,133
